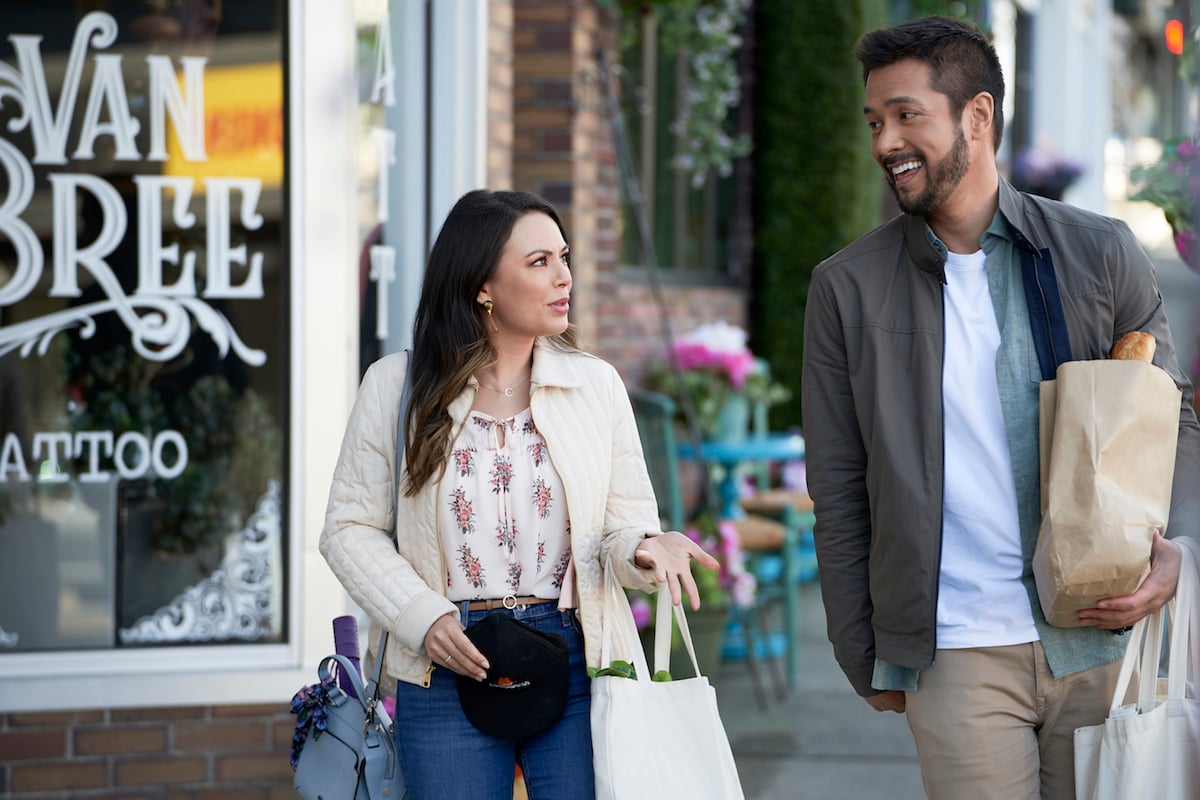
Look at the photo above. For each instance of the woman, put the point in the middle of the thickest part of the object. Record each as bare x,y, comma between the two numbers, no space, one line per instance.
523,475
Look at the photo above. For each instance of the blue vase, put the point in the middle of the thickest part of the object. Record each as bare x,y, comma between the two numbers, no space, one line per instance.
733,419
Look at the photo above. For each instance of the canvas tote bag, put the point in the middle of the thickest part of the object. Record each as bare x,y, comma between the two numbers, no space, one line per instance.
1109,430
1151,748
655,740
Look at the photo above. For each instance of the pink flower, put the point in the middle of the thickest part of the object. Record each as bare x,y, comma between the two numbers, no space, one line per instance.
734,578
795,475
718,346
739,365
1185,241
1187,149
742,589
641,611
692,355
720,538
730,541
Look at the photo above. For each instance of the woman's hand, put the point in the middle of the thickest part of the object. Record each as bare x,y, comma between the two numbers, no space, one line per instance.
670,556
447,646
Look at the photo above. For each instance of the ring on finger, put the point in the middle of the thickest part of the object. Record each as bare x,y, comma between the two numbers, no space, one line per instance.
449,659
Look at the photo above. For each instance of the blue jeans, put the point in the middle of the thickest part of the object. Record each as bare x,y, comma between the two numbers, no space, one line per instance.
445,758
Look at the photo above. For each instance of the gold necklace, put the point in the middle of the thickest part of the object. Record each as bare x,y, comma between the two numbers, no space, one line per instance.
507,391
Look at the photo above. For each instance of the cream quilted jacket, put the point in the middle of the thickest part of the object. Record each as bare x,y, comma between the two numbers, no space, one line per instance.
582,410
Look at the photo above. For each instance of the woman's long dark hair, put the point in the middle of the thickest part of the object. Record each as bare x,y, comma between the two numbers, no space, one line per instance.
450,341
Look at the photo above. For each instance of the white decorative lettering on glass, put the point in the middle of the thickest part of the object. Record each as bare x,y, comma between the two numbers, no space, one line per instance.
135,455
158,315
383,272
235,602
383,89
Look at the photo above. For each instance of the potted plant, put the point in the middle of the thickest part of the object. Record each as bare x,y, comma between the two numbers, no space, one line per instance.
706,33
1173,184
724,381
1039,170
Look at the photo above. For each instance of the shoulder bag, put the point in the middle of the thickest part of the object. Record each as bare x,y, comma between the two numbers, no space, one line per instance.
349,753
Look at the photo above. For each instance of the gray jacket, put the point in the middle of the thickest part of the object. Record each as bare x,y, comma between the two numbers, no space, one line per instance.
871,390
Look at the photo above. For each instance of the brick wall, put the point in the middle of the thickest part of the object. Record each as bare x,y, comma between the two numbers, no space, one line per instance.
186,753
550,153
563,150
629,322
499,94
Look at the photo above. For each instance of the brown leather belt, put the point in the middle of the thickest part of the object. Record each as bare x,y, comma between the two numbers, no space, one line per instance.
508,601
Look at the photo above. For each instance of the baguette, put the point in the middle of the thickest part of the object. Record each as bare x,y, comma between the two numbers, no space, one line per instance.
1135,346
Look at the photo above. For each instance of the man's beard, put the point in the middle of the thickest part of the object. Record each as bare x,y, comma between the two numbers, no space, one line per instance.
941,180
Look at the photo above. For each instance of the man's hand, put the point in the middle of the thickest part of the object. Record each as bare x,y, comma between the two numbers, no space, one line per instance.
1120,612
891,700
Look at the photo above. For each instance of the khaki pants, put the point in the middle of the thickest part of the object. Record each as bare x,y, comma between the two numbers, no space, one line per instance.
992,722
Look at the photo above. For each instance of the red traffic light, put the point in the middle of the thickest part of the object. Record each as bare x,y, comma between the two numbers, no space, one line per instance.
1174,36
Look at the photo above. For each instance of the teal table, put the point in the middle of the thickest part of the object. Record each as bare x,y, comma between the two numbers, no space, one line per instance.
729,456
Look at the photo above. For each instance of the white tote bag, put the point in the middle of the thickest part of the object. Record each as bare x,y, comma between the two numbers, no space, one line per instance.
1151,749
655,740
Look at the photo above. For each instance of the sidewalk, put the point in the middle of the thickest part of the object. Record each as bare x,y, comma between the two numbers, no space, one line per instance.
822,742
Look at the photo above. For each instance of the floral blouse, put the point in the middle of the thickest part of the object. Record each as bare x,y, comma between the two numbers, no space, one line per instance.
507,530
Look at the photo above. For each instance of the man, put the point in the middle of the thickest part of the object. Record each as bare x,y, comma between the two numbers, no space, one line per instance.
925,342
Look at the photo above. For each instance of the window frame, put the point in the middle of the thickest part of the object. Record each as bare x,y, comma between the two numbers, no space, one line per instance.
205,673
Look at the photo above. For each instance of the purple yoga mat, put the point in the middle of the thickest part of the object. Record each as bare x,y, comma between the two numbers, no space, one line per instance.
345,643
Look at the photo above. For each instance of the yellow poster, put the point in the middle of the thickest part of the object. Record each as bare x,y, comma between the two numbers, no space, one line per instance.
243,126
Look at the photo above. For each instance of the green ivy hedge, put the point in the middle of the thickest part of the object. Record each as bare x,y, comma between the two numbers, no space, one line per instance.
817,187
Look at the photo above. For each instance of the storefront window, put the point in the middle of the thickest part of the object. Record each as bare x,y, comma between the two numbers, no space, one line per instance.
144,317
693,227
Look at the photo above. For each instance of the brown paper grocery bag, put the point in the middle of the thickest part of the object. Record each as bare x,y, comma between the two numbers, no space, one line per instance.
1108,435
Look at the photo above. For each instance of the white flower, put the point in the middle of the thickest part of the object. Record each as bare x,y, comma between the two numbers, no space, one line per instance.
719,337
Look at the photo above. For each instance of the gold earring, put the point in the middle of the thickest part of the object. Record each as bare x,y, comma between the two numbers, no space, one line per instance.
488,305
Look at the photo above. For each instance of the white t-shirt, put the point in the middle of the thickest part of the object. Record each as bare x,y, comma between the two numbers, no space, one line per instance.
981,600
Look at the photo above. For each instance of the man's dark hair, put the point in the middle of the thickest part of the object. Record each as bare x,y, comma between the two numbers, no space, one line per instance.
962,63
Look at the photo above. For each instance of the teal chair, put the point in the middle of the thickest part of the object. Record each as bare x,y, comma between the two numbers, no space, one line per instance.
655,414
779,570
790,559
